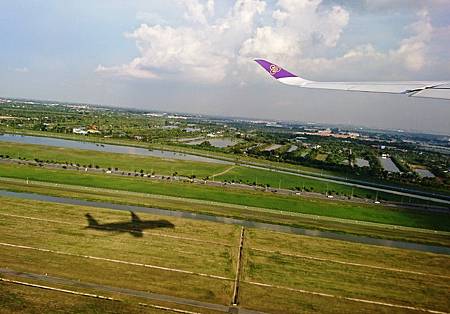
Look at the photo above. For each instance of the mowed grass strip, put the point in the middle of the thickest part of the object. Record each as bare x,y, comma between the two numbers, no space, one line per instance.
167,166
223,209
125,162
333,250
220,234
348,281
288,181
273,300
22,299
336,209
337,279
118,275
130,301
192,256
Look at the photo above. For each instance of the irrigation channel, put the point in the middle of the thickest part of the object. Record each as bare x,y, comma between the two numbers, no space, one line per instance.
58,142
225,220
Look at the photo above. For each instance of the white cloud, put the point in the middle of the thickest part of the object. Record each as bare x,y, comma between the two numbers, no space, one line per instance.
200,52
196,11
209,48
299,25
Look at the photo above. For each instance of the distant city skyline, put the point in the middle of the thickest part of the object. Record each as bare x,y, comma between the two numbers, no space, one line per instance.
196,56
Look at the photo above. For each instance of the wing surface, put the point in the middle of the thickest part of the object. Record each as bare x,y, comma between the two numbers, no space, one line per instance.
428,89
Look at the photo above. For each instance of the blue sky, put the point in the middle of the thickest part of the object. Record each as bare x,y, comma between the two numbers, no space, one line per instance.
195,56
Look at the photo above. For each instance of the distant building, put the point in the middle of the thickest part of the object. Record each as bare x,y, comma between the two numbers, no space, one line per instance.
81,131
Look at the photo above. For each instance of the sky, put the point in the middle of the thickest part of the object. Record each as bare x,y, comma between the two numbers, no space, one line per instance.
196,56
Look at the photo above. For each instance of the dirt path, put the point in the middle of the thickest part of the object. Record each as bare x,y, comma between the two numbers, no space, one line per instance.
223,172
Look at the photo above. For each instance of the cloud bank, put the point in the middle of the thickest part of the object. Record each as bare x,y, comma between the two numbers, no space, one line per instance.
208,47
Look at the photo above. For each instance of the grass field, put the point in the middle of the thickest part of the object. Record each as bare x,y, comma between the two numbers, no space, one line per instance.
276,180
171,147
131,163
342,272
270,164
280,274
231,210
125,162
70,236
337,209
22,299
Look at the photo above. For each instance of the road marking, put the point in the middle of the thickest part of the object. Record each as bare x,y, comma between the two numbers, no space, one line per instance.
347,298
118,229
350,263
188,272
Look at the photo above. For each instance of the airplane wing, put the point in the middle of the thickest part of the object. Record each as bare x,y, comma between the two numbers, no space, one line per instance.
427,89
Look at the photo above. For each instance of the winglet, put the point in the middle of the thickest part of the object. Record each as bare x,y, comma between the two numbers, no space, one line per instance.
281,74
274,70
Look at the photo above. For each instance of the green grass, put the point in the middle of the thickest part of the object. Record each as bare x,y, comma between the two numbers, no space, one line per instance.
337,209
130,163
228,210
125,162
70,235
161,166
67,232
286,181
170,147
22,299
326,276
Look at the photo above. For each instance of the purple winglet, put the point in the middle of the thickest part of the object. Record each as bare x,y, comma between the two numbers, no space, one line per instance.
274,70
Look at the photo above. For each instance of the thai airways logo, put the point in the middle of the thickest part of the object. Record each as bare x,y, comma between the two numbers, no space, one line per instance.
274,69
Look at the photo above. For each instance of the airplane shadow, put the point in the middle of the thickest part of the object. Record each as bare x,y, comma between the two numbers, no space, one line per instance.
135,227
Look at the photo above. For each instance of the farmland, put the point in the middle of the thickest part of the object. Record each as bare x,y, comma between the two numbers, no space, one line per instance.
196,260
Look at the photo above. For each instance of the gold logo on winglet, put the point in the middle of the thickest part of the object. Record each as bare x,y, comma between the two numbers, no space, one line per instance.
274,69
